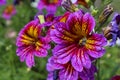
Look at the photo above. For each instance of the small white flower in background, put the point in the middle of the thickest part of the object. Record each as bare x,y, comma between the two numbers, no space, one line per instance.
35,3
118,42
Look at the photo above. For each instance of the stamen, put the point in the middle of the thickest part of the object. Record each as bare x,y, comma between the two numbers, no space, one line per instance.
82,41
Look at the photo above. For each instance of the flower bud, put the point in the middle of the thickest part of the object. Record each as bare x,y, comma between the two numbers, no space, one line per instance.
105,14
107,32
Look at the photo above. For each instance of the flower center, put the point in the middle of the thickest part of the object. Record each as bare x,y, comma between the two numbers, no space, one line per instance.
82,41
37,44
9,9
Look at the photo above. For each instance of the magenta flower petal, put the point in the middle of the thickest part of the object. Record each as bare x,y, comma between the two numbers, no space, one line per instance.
85,60
67,50
88,23
95,45
61,35
49,5
96,54
68,73
52,65
76,63
41,53
83,24
74,22
30,60
88,74
97,39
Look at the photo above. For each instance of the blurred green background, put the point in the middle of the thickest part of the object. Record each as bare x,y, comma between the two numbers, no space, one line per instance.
12,69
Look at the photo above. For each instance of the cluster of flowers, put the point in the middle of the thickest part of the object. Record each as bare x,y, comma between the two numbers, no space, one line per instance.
77,45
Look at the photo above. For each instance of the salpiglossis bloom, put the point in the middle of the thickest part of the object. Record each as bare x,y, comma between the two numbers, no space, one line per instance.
76,42
49,5
67,72
9,12
30,43
2,2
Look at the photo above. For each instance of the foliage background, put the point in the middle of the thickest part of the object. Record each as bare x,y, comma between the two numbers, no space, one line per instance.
12,69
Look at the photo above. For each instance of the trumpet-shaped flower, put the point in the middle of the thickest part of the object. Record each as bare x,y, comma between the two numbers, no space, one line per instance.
49,5
76,42
67,71
9,12
2,2
30,43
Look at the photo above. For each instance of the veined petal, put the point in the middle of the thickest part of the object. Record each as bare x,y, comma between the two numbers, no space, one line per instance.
30,60
97,39
96,54
58,49
64,53
61,35
88,24
76,61
59,38
88,74
74,22
52,64
64,17
23,52
85,60
61,27
41,53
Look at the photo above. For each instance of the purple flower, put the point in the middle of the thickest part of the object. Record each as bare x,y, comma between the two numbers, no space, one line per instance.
49,5
115,28
30,43
76,42
9,12
2,2
67,71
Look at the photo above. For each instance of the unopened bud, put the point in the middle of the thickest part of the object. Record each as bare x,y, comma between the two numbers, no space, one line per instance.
69,6
105,14
107,32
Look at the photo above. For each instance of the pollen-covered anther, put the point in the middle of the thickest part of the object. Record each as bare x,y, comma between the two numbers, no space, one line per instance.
82,41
